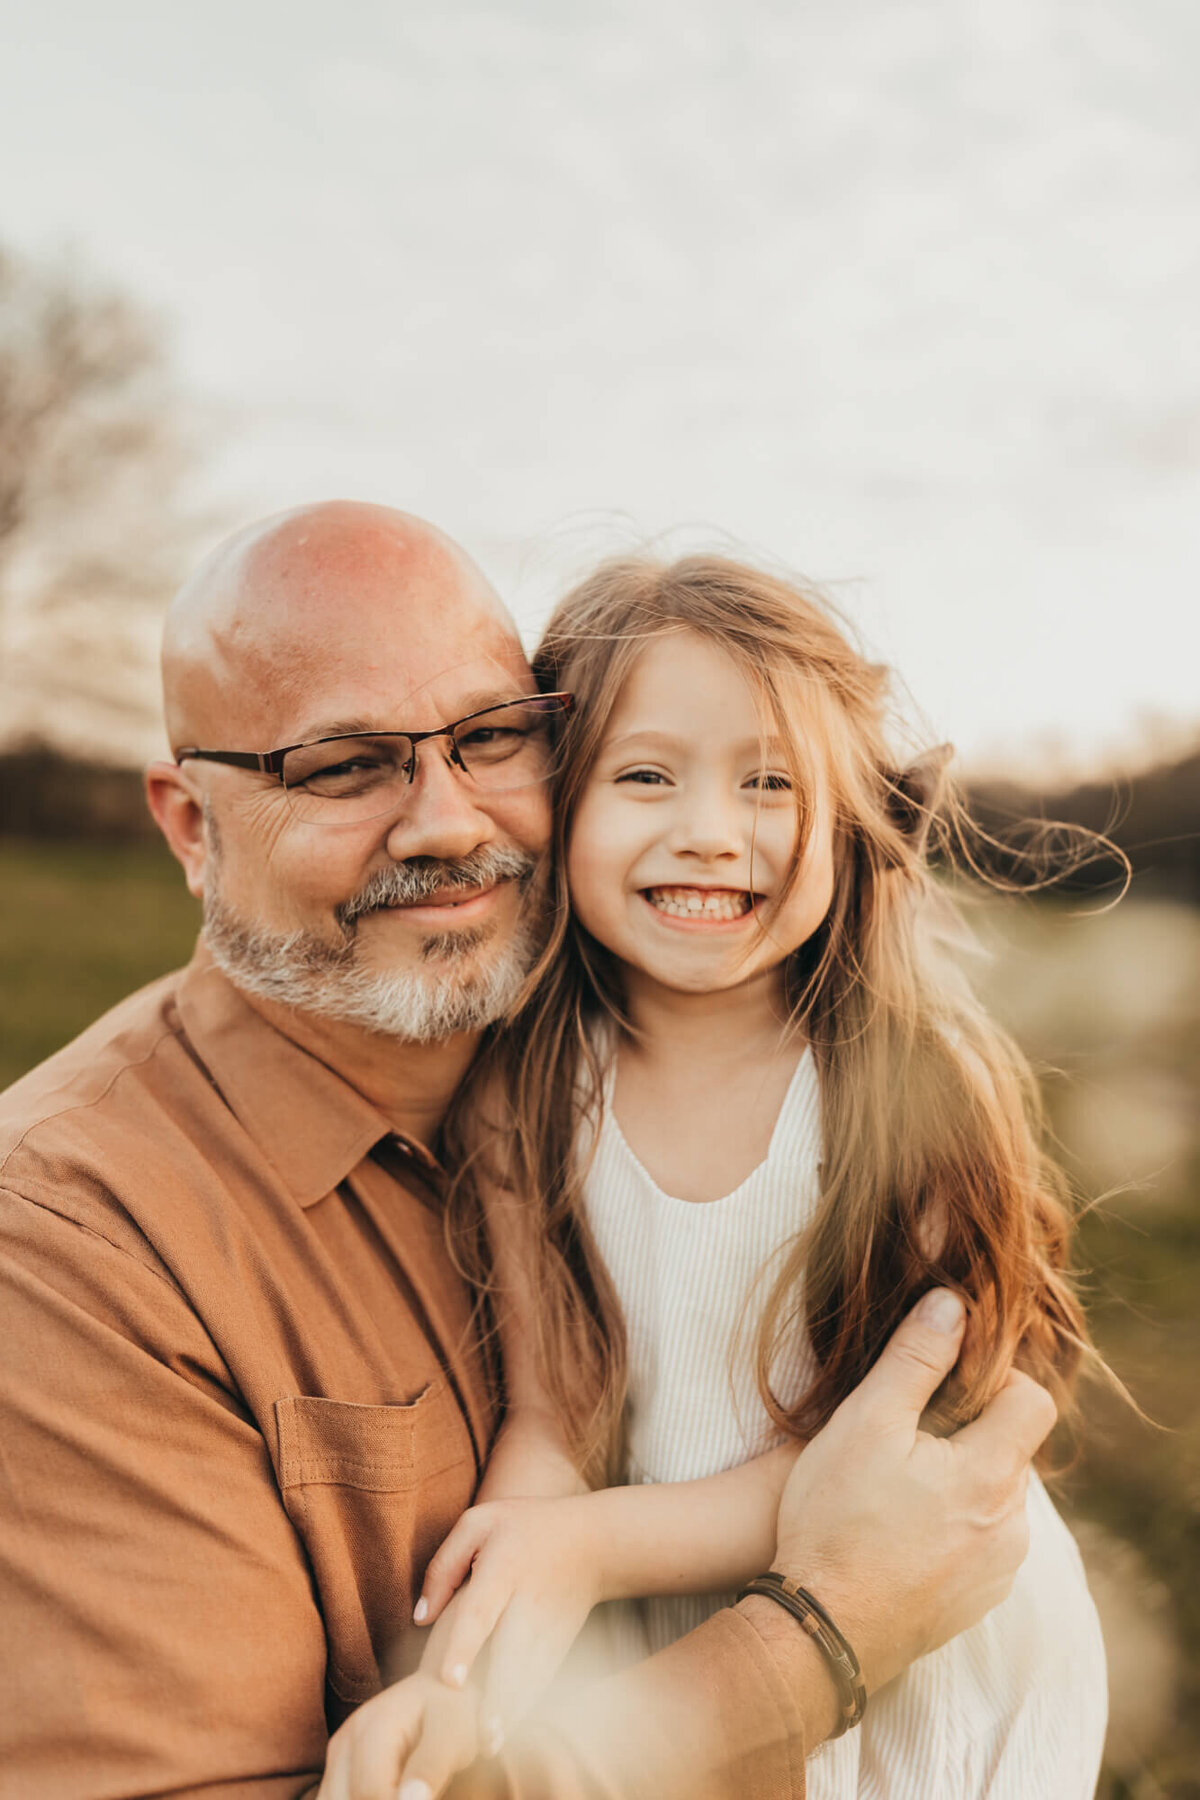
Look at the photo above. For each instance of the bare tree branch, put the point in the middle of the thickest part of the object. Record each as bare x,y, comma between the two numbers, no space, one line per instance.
95,447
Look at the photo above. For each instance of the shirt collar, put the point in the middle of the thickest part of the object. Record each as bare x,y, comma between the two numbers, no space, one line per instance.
311,1124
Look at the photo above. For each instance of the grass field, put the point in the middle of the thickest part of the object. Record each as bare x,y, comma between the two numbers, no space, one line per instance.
1108,1007
81,927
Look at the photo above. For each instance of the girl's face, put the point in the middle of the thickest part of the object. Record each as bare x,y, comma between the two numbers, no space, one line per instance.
686,830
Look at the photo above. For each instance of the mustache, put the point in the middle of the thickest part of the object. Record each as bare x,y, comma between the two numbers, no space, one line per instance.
421,877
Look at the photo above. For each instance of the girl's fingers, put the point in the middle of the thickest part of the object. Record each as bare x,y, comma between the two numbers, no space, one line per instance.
366,1755
527,1650
476,1612
448,1742
335,1780
450,1565
379,1753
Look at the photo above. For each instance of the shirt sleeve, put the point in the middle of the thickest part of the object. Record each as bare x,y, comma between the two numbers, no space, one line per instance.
723,1714
160,1632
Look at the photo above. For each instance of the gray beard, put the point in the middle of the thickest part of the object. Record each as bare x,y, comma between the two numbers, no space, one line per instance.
463,989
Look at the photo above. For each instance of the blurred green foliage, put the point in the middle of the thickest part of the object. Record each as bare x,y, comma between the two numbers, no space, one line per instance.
1108,1007
81,926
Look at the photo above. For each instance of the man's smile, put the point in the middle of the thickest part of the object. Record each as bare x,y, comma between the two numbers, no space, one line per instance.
437,895
450,904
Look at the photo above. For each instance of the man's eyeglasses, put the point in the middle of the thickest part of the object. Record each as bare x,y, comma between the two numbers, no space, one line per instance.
347,780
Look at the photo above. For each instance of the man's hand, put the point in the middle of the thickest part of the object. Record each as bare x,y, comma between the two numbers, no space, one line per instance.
905,1538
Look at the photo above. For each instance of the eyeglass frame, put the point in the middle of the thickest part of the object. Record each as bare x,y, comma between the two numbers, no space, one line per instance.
270,762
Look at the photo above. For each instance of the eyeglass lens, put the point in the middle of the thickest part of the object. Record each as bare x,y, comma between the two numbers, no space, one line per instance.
345,780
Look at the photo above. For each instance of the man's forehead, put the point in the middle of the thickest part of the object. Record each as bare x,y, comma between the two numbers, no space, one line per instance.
341,611
347,545
453,693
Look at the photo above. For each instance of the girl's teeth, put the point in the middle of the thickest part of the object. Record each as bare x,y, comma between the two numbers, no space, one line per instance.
699,903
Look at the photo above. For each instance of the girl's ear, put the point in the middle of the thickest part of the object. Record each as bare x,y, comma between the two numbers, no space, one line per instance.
913,793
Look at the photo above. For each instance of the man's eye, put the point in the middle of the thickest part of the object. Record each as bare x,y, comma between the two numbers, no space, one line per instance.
352,765
487,737
353,774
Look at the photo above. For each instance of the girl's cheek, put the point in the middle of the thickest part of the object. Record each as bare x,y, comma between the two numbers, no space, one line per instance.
597,865
588,907
592,849
584,867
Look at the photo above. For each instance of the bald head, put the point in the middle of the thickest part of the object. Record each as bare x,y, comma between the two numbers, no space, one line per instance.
342,603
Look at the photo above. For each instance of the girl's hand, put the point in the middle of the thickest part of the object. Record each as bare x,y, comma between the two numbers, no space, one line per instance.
535,1575
405,1744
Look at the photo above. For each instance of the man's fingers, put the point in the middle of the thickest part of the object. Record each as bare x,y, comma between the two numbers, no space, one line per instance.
916,1358
450,1565
1020,1418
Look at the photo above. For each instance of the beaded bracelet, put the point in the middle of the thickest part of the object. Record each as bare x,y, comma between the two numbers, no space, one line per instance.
820,1627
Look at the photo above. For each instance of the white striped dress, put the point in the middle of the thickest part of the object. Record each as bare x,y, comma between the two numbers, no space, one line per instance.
1013,1709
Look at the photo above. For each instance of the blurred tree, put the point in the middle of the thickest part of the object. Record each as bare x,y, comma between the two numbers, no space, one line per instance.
94,448
1153,814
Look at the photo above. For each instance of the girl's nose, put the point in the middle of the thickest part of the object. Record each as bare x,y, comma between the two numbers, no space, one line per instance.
708,825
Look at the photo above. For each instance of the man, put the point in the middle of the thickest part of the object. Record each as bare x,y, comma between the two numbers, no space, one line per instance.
243,1397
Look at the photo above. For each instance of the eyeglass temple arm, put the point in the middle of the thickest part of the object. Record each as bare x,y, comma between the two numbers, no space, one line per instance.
267,761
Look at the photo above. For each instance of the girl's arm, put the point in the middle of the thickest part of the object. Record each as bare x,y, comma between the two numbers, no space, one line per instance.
529,1460
669,1537
689,1537
540,1565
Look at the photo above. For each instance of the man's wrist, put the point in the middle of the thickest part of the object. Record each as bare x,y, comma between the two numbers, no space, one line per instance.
839,1592
801,1604
809,1677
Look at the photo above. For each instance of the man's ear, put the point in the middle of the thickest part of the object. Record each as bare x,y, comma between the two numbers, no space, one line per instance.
180,817
914,793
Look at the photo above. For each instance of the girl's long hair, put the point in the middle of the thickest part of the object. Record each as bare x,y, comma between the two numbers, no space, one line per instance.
933,1172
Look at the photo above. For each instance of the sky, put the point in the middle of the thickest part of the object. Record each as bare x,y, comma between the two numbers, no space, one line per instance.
900,293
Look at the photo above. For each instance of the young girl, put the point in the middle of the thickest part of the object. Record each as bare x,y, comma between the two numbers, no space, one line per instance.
751,1111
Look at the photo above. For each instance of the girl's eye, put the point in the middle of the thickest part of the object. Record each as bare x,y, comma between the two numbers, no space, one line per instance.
771,781
647,777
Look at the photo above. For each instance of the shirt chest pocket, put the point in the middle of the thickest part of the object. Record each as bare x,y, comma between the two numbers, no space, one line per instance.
372,1491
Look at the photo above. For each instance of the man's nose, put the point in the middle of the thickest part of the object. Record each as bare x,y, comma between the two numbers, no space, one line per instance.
444,815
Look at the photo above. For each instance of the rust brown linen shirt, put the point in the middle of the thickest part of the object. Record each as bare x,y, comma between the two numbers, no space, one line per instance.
240,1405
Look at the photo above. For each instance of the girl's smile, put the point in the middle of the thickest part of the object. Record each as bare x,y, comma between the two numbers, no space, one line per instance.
684,839
700,906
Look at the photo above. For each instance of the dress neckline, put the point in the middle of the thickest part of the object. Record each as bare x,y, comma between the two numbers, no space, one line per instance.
805,1071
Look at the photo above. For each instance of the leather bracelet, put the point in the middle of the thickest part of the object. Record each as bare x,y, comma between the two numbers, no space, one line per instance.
807,1609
